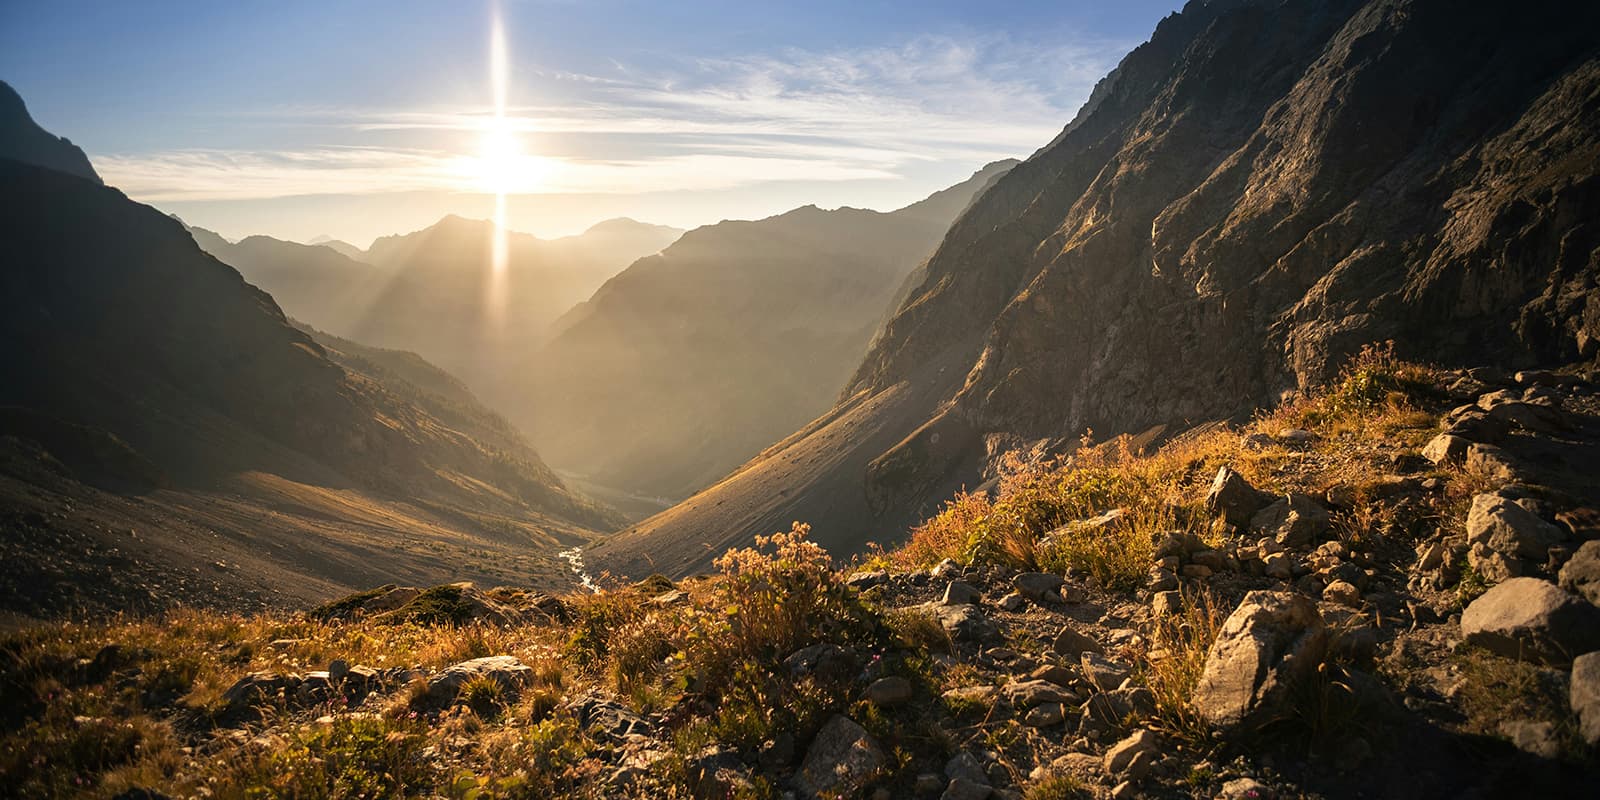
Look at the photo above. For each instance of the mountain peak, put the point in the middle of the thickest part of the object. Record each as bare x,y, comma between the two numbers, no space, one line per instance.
21,139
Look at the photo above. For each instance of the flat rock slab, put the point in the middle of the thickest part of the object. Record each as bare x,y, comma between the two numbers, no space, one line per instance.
1532,620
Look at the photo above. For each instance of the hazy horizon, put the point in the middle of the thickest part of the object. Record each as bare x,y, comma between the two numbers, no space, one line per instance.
680,117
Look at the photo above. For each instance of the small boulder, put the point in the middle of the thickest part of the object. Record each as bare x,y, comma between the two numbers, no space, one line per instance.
966,789
1030,693
1165,604
1343,593
960,593
839,762
1045,715
1270,643
1121,755
1040,587
1296,520
966,766
889,692
1581,574
1584,696
1533,620
862,581
1073,644
1234,498
1013,602
966,623
259,687
1534,738
1504,526
1474,424
506,671
1446,448
1104,672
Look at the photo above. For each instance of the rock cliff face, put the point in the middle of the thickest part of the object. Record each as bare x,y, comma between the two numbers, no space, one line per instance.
1248,198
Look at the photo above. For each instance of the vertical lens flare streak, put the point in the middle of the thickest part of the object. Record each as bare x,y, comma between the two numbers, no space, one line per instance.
499,79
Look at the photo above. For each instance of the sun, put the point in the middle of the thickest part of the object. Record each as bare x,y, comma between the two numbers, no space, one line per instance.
501,166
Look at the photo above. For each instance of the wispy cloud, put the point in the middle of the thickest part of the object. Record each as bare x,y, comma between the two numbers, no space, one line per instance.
704,124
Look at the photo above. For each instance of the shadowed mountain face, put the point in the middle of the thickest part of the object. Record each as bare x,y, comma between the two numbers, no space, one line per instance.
1197,243
692,361
433,291
23,140
146,385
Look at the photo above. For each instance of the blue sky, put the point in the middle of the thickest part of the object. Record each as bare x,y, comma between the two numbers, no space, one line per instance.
358,119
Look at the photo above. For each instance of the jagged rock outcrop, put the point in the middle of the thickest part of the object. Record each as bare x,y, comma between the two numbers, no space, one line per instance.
1193,245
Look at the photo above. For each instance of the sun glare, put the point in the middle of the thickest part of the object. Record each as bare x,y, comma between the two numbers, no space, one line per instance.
499,161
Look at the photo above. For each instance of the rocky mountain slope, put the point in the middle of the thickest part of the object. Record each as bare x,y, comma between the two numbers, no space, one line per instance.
692,361
1386,588
1195,245
148,387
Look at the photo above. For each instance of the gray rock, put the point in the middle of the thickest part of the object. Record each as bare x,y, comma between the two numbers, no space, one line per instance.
1030,693
927,783
1534,738
1040,587
1504,526
1533,620
839,762
1120,755
1013,602
259,688
862,581
826,660
1342,593
1045,715
966,623
1278,565
960,593
1234,498
1493,462
965,766
889,692
1296,520
1474,424
945,569
965,789
1245,789
1072,644
1165,604
1584,696
1581,574
1103,671
609,720
1270,643
1446,448
1054,673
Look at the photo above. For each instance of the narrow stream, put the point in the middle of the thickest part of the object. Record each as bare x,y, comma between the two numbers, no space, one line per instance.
574,559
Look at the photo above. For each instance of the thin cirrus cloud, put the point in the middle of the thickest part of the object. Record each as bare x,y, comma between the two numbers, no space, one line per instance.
704,124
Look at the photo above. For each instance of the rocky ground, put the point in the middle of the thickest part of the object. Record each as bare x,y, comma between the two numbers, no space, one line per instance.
1388,589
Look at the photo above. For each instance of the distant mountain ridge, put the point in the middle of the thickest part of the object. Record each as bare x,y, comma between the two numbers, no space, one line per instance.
1196,244
691,361
431,291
